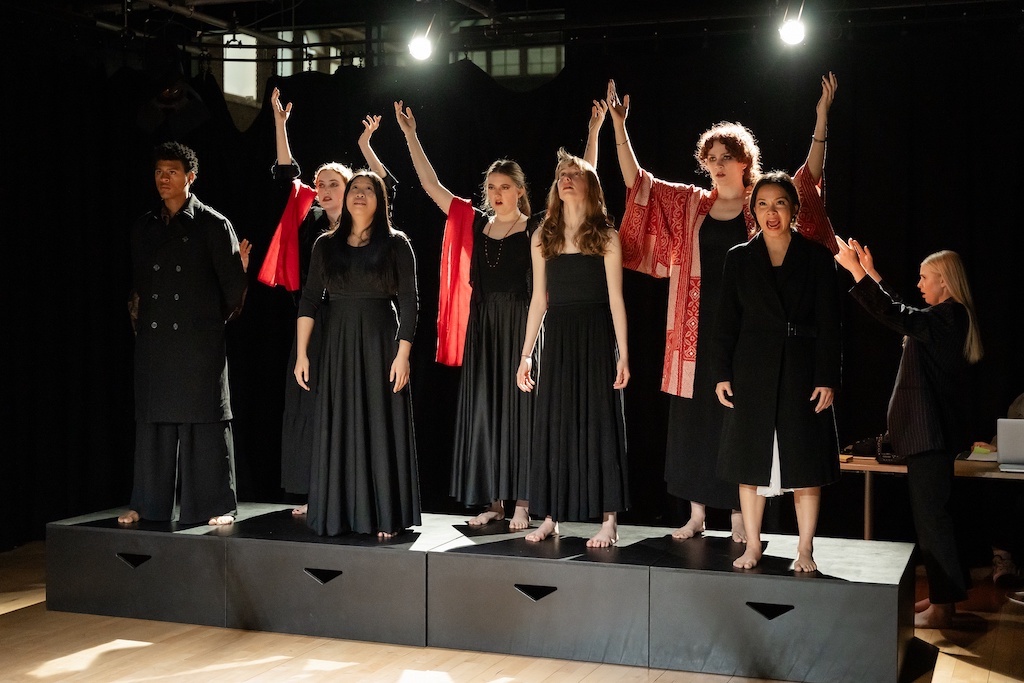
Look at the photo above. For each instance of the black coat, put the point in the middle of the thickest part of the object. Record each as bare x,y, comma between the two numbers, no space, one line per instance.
189,279
777,338
928,407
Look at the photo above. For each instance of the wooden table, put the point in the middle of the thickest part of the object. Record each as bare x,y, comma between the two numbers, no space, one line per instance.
868,466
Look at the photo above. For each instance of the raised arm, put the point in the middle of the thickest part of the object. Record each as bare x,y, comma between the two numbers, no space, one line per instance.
597,114
623,147
370,124
424,171
281,114
816,155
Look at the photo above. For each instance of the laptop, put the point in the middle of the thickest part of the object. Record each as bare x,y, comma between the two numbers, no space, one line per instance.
1010,443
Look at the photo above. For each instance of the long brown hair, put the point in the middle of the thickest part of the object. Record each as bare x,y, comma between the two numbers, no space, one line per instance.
950,268
593,234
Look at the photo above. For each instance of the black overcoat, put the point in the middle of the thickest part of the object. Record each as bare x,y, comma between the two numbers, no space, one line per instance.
777,338
189,279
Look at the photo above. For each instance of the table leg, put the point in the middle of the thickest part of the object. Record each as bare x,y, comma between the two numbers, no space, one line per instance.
868,495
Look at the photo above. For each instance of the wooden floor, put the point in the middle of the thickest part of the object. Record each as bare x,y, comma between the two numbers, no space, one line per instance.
38,645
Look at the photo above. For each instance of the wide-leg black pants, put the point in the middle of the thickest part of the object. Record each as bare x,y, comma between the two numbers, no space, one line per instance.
200,454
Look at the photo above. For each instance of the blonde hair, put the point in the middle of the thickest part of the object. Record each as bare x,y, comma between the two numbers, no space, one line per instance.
593,235
950,268
341,169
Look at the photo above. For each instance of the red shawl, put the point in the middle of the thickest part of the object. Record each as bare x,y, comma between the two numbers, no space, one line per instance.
455,291
659,234
281,264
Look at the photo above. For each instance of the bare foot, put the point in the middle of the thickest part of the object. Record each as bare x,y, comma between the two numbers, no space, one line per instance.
386,534
805,561
494,513
749,559
936,616
692,528
221,520
739,534
922,605
547,528
606,537
520,519
130,517
301,510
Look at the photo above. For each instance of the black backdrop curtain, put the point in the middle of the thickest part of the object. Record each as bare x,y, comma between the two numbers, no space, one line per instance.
924,150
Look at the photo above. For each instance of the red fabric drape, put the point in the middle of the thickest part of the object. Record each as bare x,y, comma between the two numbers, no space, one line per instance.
455,290
281,264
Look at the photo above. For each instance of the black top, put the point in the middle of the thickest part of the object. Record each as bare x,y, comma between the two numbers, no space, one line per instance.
360,283
576,279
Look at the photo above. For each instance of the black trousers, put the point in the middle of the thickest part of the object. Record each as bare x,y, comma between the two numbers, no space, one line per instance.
930,480
201,455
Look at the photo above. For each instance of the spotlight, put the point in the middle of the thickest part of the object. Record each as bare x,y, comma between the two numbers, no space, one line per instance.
792,32
420,47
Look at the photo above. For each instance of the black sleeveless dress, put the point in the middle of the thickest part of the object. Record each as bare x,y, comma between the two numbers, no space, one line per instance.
695,424
491,457
578,468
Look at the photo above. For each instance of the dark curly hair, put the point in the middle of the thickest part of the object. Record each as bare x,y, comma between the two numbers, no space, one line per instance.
175,151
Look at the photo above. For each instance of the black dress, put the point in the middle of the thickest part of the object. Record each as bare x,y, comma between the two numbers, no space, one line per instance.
492,424
695,424
297,419
363,472
578,469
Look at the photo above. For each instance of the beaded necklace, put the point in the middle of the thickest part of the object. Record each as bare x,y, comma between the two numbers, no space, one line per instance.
501,241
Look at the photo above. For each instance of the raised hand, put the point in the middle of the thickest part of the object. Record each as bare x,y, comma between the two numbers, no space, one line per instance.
597,114
867,261
619,109
370,124
847,257
281,113
406,121
829,84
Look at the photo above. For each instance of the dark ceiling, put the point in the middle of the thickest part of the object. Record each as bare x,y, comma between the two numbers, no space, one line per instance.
382,25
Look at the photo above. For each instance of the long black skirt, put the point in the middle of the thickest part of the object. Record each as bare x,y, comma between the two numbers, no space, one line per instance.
491,460
364,472
578,465
297,420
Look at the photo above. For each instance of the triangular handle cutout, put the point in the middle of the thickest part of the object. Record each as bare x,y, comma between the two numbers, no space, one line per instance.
769,610
133,560
535,593
322,576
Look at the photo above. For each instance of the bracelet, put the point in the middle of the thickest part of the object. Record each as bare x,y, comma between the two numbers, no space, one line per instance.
526,356
817,140
619,144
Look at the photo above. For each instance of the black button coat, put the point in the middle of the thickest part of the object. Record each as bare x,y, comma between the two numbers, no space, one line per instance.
189,280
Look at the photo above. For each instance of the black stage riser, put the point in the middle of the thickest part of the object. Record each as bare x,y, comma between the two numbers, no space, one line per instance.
651,602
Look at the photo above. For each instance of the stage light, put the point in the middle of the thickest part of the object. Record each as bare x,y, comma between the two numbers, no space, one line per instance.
792,32
420,47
